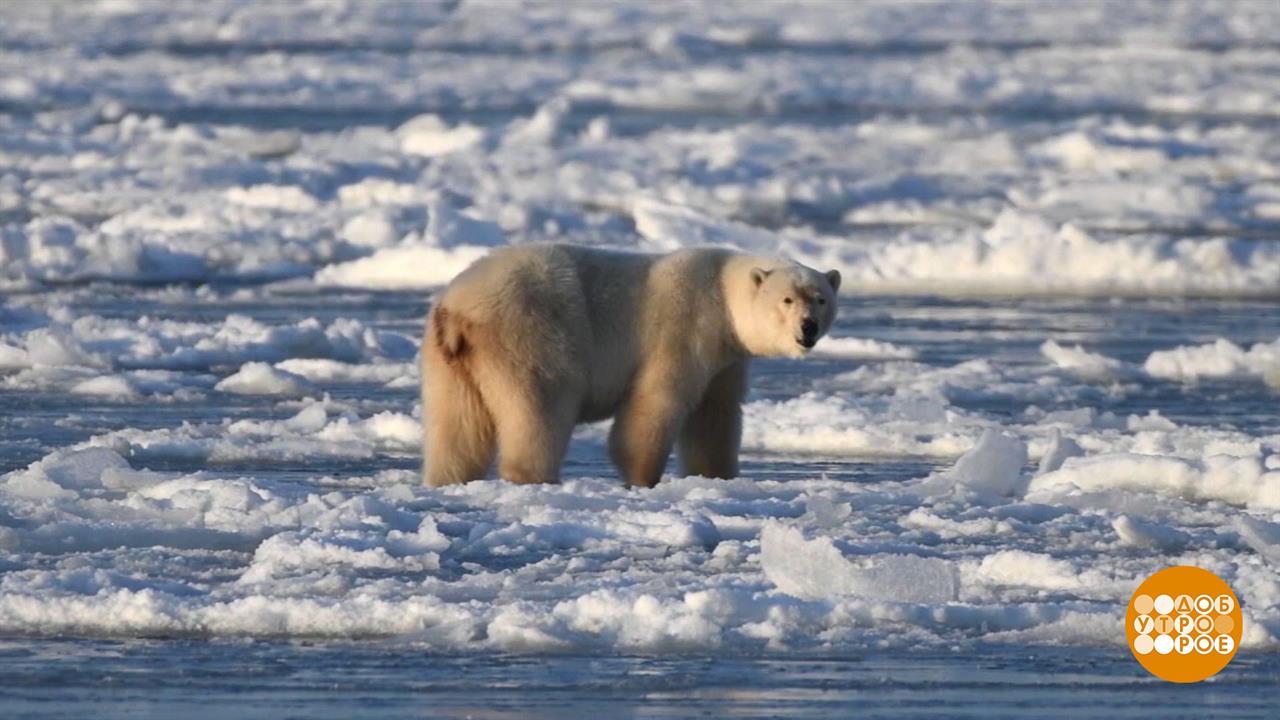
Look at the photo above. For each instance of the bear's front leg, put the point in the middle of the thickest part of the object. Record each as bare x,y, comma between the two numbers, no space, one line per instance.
709,441
645,427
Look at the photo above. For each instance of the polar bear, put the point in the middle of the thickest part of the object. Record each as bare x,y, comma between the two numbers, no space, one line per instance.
531,340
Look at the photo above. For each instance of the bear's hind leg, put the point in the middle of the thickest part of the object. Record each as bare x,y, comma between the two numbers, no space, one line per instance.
533,436
534,420
709,441
458,442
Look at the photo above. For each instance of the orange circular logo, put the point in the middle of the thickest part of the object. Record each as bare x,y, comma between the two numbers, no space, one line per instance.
1183,624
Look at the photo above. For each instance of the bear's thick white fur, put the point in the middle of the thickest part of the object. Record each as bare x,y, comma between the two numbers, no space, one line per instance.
531,340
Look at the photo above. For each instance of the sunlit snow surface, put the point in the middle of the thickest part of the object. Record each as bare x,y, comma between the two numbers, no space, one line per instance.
1055,369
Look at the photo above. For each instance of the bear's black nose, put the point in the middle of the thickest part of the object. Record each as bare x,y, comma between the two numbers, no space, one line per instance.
809,327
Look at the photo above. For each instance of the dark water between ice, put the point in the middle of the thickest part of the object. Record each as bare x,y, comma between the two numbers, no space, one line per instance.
197,680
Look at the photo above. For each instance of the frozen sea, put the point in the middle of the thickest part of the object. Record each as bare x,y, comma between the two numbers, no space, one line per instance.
1055,370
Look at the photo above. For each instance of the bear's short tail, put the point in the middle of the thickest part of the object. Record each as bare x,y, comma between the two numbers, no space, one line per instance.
447,332
458,431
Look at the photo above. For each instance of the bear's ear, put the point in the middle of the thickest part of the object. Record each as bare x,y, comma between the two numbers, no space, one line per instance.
758,276
833,277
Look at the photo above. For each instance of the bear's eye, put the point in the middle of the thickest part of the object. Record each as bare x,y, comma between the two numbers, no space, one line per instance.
786,300
822,301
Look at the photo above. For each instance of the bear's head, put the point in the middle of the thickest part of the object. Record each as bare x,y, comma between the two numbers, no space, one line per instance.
793,306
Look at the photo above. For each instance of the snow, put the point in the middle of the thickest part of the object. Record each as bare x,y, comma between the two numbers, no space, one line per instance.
1079,361
1141,533
429,136
992,467
835,425
404,267
1262,536
1024,254
149,344
286,198
1221,358
816,569
850,348
450,242
1019,252
1230,479
106,386
1053,373
1060,449
257,378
